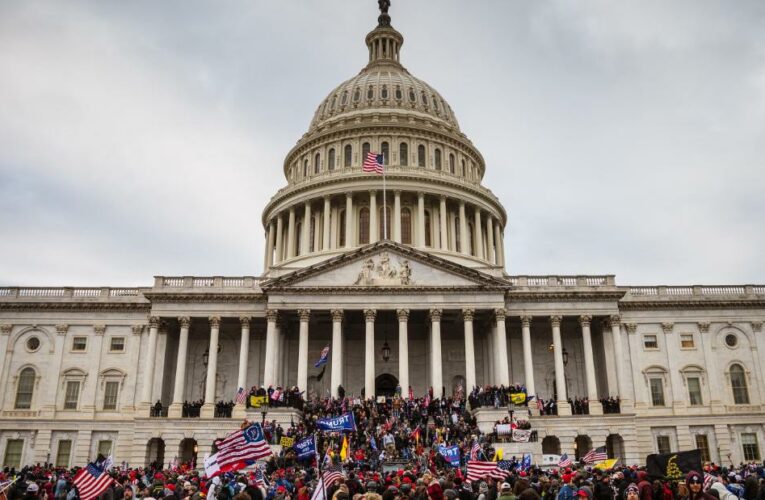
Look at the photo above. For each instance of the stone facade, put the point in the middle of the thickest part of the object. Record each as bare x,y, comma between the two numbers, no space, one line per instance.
418,268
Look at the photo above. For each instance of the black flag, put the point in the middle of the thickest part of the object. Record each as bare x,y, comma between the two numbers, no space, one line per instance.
321,374
674,465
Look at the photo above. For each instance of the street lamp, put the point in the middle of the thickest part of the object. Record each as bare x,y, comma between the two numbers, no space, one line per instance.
565,357
386,351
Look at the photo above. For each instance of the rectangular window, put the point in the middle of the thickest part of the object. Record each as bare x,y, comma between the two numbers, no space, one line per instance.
63,452
686,341
662,444
702,443
110,395
750,447
105,448
650,342
72,395
79,344
117,344
694,391
13,450
657,391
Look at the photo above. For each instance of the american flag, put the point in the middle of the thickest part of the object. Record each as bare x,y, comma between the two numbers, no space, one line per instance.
240,396
564,461
241,446
474,451
477,469
373,163
328,477
92,480
596,455
260,479
709,480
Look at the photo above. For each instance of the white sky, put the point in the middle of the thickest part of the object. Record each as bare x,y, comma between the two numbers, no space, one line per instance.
141,138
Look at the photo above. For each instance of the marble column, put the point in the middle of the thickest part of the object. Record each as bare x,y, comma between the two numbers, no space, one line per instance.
403,351
498,244
325,223
396,226
208,409
622,391
302,369
279,238
560,375
336,377
269,257
421,219
589,367
268,369
528,359
374,229
477,233
464,243
491,254
305,240
148,383
348,220
291,234
444,238
436,374
176,407
503,370
467,317
244,351
369,353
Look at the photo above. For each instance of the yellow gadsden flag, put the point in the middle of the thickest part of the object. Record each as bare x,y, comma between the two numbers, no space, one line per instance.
606,464
344,449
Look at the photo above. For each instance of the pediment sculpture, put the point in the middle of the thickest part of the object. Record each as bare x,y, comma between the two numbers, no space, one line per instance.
384,273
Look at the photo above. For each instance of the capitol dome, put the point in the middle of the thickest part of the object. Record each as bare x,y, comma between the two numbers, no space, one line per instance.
431,197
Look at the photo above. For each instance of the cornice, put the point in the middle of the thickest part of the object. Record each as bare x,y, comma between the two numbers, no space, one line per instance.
75,306
377,290
204,297
569,295
649,305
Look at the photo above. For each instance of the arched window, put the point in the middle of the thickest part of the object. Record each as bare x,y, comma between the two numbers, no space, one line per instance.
364,226
305,168
406,226
399,94
384,222
316,163
412,97
451,164
471,239
403,154
385,151
364,151
298,237
344,100
428,240
438,159
457,235
341,229
420,155
25,389
370,93
463,169
347,155
384,92
738,385
356,94
331,160
312,235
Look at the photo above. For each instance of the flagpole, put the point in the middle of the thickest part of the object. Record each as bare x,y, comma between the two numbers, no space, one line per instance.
385,205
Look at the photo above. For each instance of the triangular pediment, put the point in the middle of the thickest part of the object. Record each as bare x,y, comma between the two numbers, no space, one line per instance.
386,264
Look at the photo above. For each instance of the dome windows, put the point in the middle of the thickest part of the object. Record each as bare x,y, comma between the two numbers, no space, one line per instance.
357,95
334,102
370,93
364,151
420,155
464,171
452,166
399,94
412,97
438,159
344,99
347,152
424,99
364,226
435,104
385,151
331,159
384,92
403,154
406,226
316,164
305,168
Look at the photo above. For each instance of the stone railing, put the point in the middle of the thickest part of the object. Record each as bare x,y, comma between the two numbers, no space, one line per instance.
69,292
203,282
558,281
695,291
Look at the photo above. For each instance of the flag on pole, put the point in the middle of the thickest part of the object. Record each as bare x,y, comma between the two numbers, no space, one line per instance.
241,395
595,455
606,464
322,358
326,480
565,461
93,480
480,470
475,450
240,447
344,449
373,163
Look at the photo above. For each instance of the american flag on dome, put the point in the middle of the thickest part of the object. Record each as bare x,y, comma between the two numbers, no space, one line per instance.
596,455
373,163
93,480
244,445
477,469
565,461
240,396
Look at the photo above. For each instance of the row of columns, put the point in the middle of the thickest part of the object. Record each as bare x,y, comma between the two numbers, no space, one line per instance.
275,244
272,355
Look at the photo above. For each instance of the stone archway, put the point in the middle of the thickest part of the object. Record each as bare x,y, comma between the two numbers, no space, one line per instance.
615,446
155,452
385,385
582,445
187,451
551,445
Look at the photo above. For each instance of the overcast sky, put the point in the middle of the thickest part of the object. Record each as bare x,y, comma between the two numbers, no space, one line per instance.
142,138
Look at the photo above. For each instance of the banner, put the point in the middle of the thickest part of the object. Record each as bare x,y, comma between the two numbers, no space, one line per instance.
674,465
606,464
451,454
258,401
287,442
345,422
306,447
504,429
518,398
521,436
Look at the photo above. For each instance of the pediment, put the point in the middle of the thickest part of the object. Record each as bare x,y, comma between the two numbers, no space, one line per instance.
386,265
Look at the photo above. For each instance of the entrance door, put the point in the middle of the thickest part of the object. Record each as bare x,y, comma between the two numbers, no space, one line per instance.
385,385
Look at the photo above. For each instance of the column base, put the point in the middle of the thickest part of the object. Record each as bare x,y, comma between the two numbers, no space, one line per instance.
564,409
595,407
239,412
175,410
626,406
207,411
142,410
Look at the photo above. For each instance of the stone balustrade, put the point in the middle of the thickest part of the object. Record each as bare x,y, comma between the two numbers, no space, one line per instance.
695,291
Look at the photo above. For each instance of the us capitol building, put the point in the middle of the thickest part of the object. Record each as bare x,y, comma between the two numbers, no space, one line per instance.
430,306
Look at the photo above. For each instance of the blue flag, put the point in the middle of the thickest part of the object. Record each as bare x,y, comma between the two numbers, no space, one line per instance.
306,447
451,454
344,422
526,463
323,358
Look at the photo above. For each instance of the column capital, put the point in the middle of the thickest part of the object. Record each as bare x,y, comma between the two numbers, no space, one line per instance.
99,329
403,315
756,326
703,326
631,327
292,210
370,314
435,314
442,198
62,329
555,321
245,321
462,203
272,315
304,315
585,320
667,327
397,192
137,329
421,194
468,314
348,195
215,321
337,315
500,314
153,321
526,321
372,192
614,320
6,329
184,321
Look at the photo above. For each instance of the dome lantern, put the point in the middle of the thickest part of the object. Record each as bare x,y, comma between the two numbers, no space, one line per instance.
384,42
